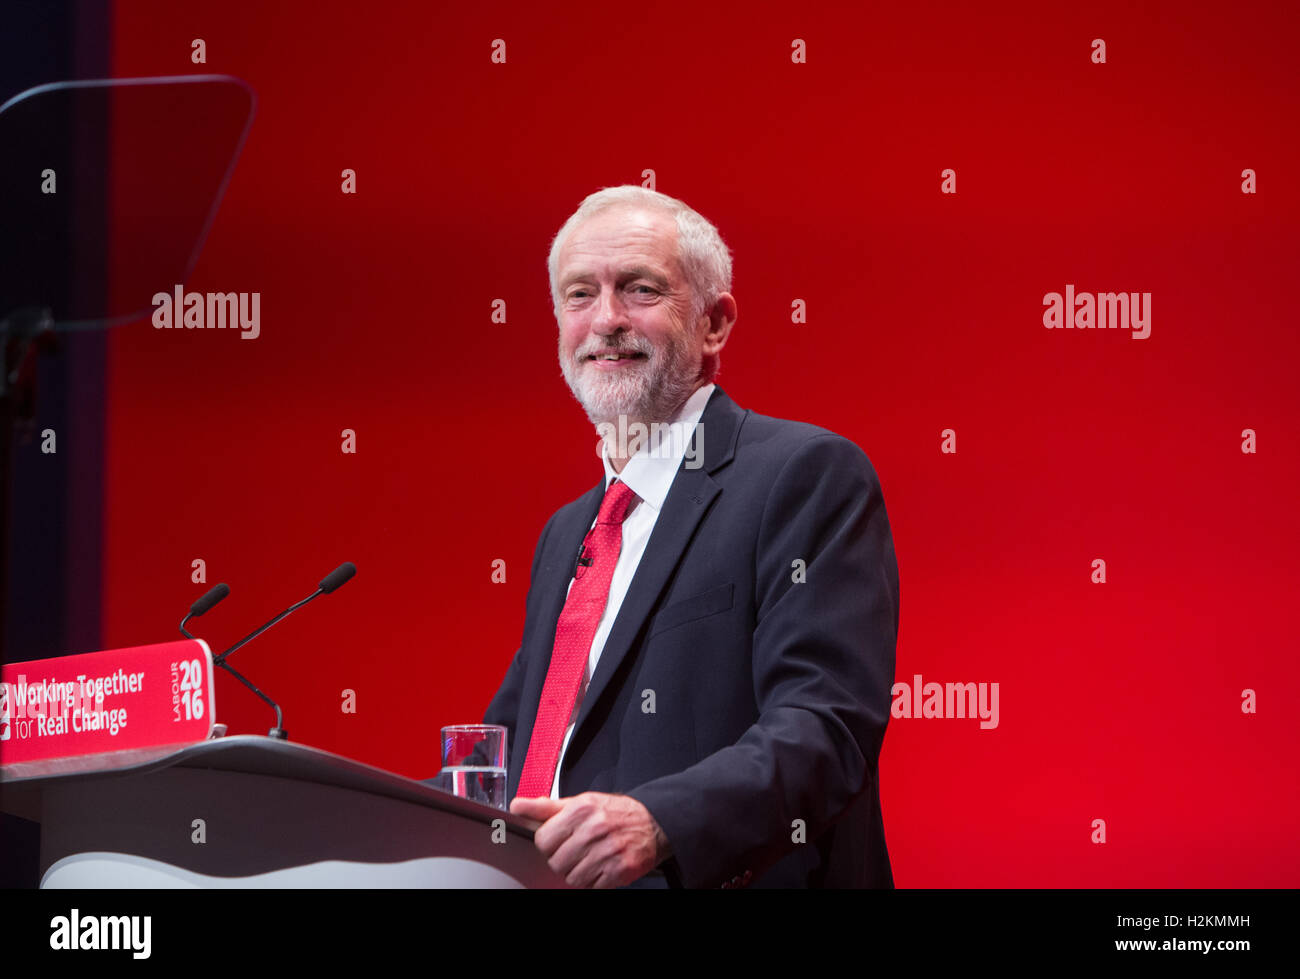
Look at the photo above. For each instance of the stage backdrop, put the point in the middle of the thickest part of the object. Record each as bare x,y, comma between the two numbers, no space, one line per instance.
920,181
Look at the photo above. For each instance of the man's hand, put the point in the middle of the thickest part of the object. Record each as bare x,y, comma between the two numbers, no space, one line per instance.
595,839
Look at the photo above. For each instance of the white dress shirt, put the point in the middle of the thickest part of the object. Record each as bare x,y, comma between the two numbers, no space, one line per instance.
649,474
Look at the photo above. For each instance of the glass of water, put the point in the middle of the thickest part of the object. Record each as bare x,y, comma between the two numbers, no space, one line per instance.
474,763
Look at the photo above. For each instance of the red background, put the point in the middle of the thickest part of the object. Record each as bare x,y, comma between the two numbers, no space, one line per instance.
1118,701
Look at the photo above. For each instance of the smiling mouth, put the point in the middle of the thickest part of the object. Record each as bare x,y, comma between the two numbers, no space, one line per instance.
616,356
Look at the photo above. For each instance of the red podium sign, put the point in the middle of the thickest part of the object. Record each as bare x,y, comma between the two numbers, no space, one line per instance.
115,700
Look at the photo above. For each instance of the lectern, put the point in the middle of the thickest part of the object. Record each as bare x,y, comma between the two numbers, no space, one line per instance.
251,811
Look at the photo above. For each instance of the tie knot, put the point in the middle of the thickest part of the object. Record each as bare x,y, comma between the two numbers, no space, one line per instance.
618,500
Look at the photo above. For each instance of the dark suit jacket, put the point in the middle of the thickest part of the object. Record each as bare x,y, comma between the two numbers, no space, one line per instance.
770,695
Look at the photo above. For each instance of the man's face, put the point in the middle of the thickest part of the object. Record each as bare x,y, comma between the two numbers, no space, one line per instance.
627,343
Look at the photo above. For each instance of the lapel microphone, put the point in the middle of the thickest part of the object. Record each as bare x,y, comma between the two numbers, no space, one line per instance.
582,561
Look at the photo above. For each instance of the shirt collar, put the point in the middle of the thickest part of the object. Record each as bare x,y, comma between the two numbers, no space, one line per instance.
649,473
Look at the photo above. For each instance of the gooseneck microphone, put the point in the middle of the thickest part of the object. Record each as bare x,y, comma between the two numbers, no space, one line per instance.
204,604
276,732
210,599
337,578
332,582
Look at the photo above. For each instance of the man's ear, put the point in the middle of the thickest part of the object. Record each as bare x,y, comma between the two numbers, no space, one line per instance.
717,323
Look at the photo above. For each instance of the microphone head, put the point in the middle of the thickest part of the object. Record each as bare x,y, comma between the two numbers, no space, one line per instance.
338,577
213,596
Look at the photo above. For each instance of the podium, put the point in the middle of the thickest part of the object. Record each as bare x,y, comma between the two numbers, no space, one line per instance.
251,811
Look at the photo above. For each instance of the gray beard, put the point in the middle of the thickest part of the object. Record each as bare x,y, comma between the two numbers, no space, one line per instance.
651,392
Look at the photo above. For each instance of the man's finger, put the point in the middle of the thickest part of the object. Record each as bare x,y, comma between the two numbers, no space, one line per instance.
542,808
557,823
572,845
586,871
558,828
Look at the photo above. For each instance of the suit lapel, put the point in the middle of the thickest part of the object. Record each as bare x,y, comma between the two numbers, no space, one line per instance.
554,576
688,500
692,491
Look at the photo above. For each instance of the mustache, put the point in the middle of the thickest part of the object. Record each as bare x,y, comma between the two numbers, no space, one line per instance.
628,345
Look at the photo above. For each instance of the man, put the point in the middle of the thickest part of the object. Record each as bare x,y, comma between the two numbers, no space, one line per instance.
704,679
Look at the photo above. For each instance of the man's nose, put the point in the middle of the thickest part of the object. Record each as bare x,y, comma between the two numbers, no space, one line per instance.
611,313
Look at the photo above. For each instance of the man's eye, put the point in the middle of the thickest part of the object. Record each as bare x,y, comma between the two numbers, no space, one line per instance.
645,287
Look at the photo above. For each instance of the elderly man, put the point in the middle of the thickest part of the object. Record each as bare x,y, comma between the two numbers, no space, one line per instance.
704,679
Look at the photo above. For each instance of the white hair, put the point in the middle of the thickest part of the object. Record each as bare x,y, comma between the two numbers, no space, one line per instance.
705,258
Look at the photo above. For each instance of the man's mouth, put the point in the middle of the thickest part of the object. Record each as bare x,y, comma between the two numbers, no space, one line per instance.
615,357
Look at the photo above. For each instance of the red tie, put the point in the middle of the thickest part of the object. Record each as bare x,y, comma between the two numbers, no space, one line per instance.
574,632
